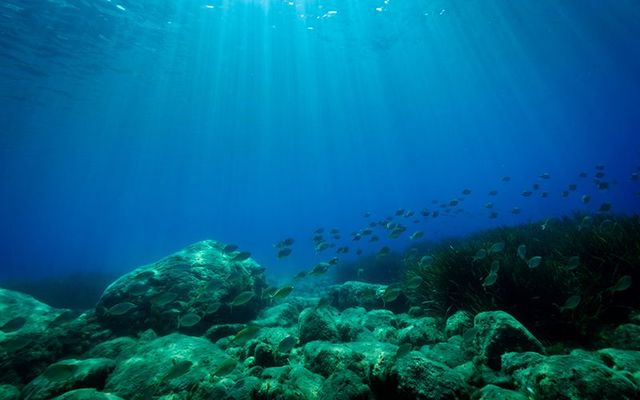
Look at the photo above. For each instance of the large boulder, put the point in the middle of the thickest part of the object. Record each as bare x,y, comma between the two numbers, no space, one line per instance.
199,282
579,375
496,333
73,374
154,368
356,294
317,324
34,335
87,394
288,383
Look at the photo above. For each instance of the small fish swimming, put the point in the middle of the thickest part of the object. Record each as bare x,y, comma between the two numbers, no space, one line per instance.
120,308
230,248
522,252
246,334
480,255
497,247
225,367
319,269
391,293
505,178
495,266
282,292
585,199
383,252
534,262
622,284
493,193
416,235
573,263
516,210
490,279
163,299
188,320
545,175
403,350
526,193
466,192
60,372
285,252
426,261
14,324
243,298
493,215
178,369
604,207
571,303
287,344
414,282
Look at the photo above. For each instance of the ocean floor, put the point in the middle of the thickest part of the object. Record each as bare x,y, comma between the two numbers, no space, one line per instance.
203,323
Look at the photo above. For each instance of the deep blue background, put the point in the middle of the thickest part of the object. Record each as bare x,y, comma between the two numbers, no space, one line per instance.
128,132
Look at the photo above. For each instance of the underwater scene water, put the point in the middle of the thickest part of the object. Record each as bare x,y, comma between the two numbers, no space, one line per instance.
313,199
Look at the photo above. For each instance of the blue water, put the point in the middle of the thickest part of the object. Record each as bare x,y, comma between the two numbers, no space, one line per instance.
130,129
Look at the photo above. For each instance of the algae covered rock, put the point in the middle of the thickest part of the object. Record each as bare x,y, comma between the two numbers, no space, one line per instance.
67,375
493,392
169,364
579,375
345,385
356,294
496,333
87,394
417,377
317,324
421,331
458,323
626,336
201,285
288,383
9,392
34,335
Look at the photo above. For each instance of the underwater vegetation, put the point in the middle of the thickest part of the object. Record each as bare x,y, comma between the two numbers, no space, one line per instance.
564,279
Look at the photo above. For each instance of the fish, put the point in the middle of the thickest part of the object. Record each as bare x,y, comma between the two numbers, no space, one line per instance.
409,214
516,210
605,207
287,344
454,202
14,324
241,256
571,303
603,185
374,238
488,205
138,289
505,178
60,372
600,167
490,279
414,282
188,320
426,261
333,261
583,174
213,307
635,176
282,292
622,284
493,215
466,192
493,193
391,293
586,222
535,186
383,252
526,193
599,175
323,302
544,195
63,317
495,266
242,298
425,212
300,275
319,269
225,367
120,308
321,246
416,235
573,187
585,199
435,214
396,232
573,263
534,262
522,252
497,247
163,299
366,214
565,193
246,334
399,212
178,369
545,175
480,255
342,250
230,248
284,252
359,252
403,350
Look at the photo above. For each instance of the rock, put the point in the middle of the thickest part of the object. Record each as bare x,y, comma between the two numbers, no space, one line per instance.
421,331
327,358
144,373
620,360
87,394
356,294
512,362
458,323
416,377
217,332
579,375
40,336
349,324
496,333
449,353
200,279
288,383
9,392
345,385
493,392
89,373
317,324
626,336
113,348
